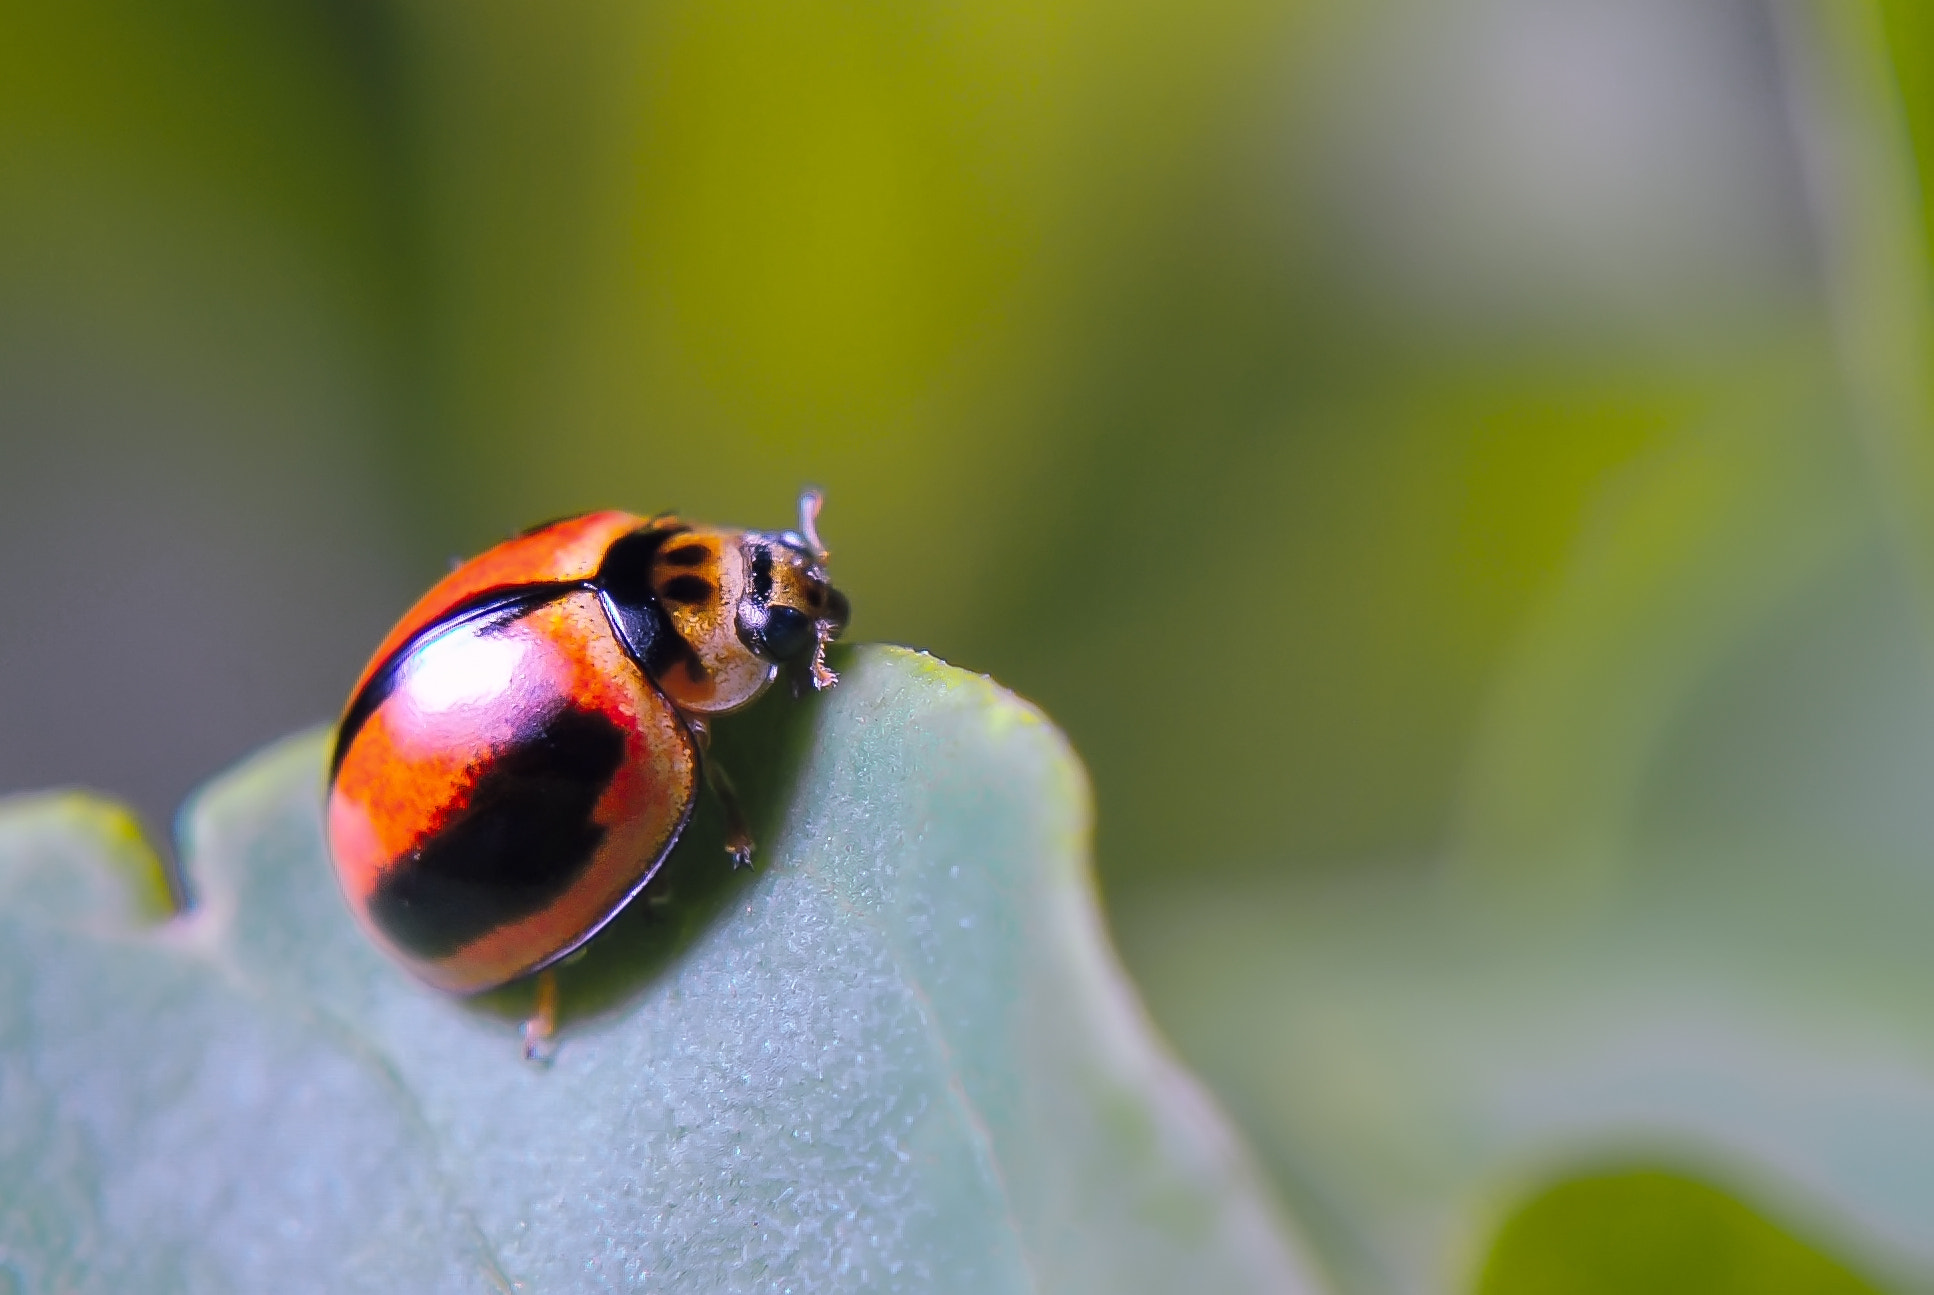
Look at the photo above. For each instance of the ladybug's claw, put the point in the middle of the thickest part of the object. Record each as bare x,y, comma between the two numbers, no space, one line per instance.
738,837
541,1048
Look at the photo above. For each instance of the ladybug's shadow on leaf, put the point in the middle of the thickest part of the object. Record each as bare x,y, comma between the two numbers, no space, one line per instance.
761,750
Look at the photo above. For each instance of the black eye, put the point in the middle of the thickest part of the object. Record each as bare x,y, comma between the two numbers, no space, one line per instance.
786,634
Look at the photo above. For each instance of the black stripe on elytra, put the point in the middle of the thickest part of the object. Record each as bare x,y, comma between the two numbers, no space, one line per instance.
689,589
520,840
689,555
761,573
508,602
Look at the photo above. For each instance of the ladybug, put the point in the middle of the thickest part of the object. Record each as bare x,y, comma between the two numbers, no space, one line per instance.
524,748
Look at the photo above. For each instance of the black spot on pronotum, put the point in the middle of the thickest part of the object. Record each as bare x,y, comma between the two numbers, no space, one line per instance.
689,555
524,834
667,650
762,573
688,589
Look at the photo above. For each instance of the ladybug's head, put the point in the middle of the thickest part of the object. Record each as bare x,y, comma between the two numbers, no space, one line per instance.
790,610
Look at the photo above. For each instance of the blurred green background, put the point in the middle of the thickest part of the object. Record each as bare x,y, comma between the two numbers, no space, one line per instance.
1461,473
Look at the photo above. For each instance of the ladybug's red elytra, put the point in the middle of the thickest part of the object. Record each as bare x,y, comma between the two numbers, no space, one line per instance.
524,748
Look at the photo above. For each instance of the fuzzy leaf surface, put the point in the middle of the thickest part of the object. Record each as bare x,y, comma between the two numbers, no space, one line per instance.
897,1056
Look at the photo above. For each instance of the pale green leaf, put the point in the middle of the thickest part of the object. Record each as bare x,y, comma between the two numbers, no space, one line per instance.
897,1056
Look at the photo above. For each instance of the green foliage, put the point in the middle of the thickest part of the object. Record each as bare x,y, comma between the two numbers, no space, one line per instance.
898,1056
1720,952
1616,1233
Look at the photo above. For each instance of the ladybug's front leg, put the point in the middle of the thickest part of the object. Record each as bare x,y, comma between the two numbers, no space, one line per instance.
738,836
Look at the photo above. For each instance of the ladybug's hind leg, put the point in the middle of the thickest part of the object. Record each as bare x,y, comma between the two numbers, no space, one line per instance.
738,835
540,1030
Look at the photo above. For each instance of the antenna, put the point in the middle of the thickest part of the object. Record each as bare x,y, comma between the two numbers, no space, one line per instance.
809,505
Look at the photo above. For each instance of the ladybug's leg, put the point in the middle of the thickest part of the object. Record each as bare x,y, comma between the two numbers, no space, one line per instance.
738,836
822,674
809,675
540,1031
